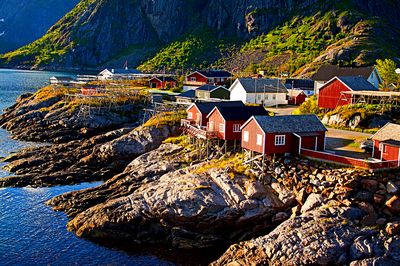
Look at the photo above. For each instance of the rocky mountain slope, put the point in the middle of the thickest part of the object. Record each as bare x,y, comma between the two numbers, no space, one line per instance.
23,21
254,34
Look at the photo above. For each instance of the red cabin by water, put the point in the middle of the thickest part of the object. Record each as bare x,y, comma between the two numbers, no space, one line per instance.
225,122
331,94
283,134
387,143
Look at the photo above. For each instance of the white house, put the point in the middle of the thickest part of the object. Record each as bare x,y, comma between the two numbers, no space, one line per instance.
267,92
328,72
114,74
61,80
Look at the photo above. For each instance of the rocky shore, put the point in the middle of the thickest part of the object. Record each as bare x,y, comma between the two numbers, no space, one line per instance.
157,192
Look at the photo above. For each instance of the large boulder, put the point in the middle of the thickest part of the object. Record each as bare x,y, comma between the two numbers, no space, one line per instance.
184,209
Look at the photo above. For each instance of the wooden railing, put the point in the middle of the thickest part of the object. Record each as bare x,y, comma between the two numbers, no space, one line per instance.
329,157
196,131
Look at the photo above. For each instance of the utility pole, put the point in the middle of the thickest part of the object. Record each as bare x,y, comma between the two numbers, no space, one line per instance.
255,91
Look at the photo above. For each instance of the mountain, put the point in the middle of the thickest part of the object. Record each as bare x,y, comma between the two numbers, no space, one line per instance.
23,21
288,35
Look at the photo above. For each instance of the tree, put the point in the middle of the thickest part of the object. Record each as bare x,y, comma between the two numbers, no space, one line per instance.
387,70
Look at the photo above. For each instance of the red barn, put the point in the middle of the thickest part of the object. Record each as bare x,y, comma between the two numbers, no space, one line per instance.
283,134
296,97
387,143
162,82
197,112
199,78
225,122
330,95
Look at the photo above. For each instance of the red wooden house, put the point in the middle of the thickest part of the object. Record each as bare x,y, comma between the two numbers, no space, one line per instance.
331,94
199,78
197,112
387,143
283,134
225,122
296,97
162,82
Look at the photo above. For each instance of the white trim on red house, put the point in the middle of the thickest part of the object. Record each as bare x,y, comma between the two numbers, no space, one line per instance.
264,134
212,111
300,141
334,78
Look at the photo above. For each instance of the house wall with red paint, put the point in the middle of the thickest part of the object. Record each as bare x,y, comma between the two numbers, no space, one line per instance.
330,95
297,100
385,152
252,130
196,77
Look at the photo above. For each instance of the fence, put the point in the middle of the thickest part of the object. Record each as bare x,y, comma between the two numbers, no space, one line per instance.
328,157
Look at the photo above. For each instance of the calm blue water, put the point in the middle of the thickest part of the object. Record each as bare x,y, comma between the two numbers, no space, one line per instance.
30,232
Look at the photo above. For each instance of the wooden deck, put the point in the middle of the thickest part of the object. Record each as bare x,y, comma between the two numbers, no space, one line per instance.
195,131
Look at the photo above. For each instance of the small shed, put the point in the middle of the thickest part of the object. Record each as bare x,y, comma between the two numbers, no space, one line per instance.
387,143
162,82
186,97
212,92
225,122
296,97
283,134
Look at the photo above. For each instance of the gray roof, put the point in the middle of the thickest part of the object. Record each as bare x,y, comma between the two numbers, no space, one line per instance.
215,74
208,87
389,132
304,84
187,94
262,85
358,83
207,107
328,72
290,124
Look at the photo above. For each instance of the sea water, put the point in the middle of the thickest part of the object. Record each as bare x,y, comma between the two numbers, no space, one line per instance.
31,233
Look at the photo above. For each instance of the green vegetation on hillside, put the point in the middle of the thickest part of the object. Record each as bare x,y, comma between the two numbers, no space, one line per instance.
195,50
53,45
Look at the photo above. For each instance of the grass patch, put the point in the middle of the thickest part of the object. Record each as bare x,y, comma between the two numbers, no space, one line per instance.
166,118
234,165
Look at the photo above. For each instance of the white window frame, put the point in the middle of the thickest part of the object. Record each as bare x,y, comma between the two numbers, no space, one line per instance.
280,140
221,128
190,115
246,136
380,146
236,128
259,140
193,79
211,126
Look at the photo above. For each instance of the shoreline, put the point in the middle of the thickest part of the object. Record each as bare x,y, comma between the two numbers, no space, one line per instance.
159,191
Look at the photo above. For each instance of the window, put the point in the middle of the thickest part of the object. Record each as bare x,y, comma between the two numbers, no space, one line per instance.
259,140
246,136
259,97
190,115
211,126
236,128
198,118
192,78
280,140
221,128
381,147
274,97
